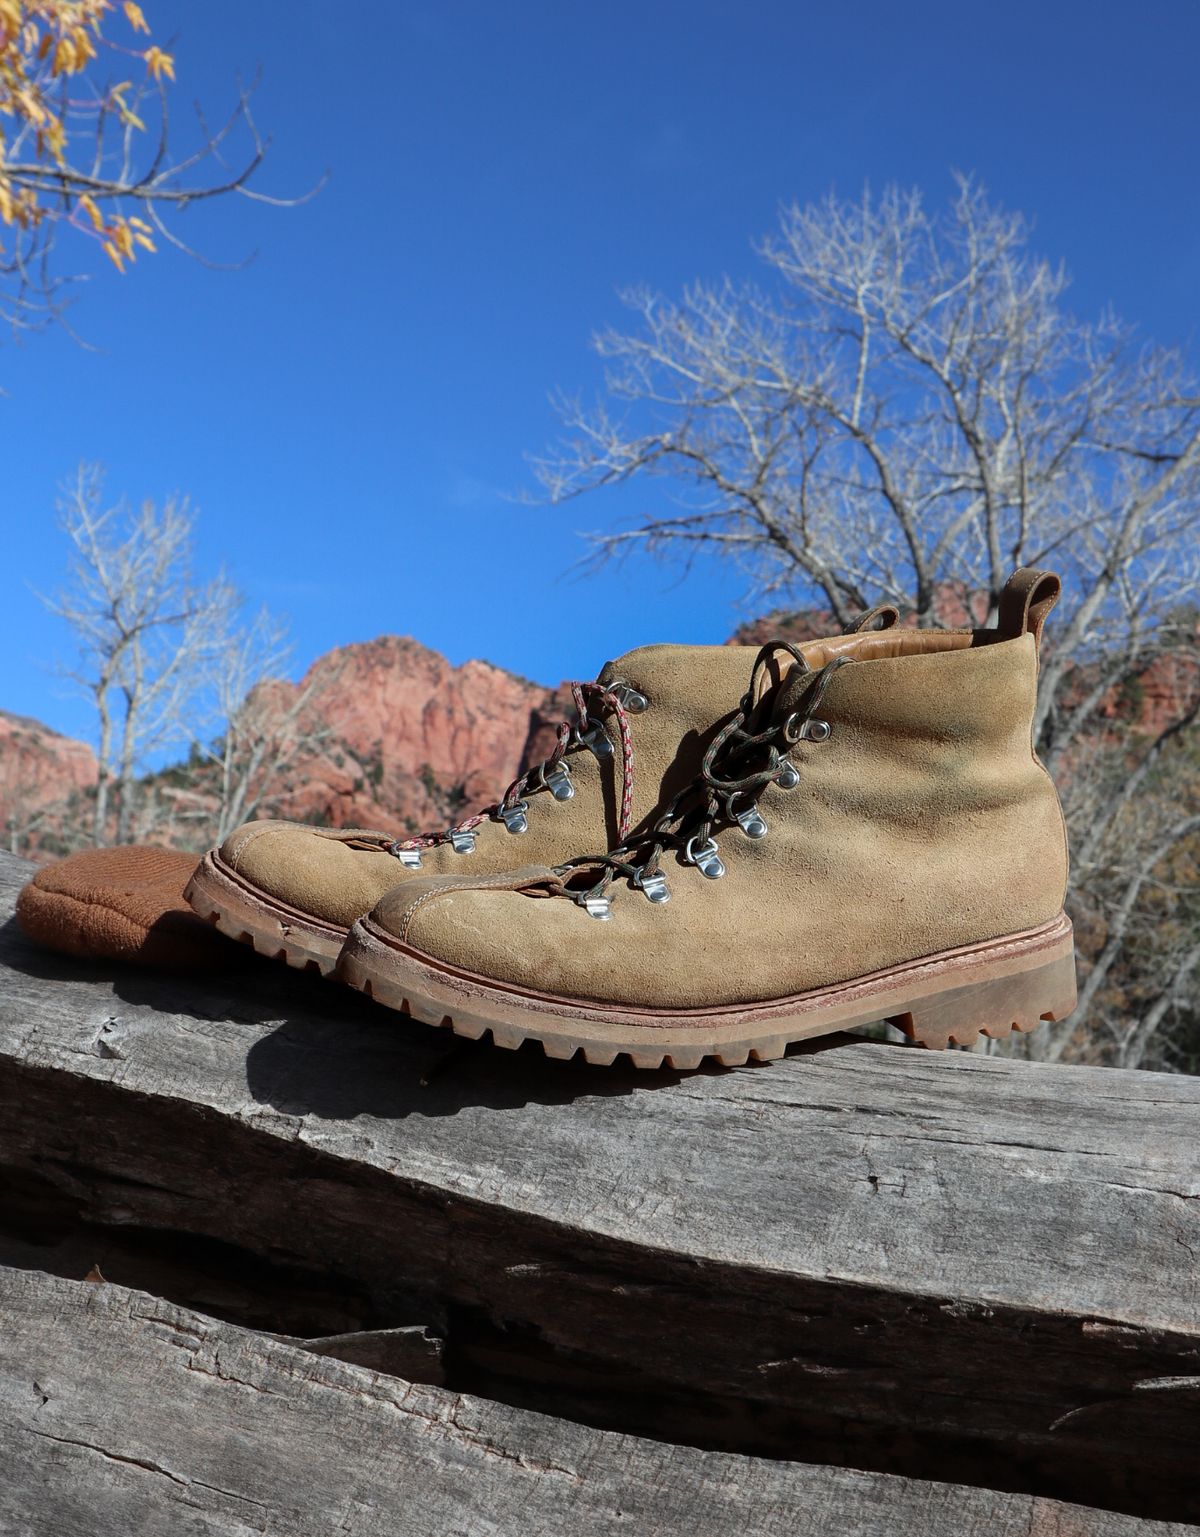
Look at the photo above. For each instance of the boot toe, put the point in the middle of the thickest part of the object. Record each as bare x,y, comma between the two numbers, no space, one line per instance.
334,875
505,935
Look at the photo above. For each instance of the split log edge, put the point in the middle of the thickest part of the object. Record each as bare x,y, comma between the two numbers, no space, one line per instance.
261,1436
947,1266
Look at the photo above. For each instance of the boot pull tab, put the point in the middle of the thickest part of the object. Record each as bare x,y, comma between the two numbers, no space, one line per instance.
884,616
1025,603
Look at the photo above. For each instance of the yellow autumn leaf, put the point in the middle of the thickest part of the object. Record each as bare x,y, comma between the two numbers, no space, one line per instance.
56,138
114,256
64,57
145,242
88,204
117,99
159,63
133,14
31,108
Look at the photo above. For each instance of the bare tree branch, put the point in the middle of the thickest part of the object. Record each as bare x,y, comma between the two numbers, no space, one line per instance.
97,160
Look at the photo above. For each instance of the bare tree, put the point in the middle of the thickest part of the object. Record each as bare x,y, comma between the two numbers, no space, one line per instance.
271,726
905,403
23,818
149,634
167,659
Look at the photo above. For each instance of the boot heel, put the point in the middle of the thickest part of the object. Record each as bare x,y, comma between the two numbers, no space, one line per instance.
994,1007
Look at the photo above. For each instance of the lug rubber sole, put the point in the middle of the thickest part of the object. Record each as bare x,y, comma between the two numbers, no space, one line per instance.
243,912
992,988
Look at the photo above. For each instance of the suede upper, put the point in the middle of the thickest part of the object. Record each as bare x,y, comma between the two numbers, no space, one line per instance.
338,874
923,823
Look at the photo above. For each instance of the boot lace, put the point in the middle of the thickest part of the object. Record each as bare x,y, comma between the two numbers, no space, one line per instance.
593,702
750,752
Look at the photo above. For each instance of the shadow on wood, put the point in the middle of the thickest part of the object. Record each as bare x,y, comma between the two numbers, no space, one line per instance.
942,1266
261,1436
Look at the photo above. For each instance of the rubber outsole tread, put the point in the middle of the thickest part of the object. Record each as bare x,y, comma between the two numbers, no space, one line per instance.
298,960
687,1059
965,1036
957,1016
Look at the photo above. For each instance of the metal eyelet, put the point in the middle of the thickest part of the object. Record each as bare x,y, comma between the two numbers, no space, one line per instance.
409,858
706,858
788,776
632,699
653,886
752,822
515,817
558,782
462,842
598,907
798,728
597,740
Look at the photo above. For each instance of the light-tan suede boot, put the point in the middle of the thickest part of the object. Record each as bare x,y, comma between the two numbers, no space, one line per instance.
890,848
641,729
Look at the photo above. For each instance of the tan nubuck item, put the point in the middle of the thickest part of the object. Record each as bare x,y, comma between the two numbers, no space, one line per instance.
640,731
871,837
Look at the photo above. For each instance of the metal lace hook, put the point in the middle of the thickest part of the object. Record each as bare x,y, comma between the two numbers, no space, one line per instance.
653,885
706,858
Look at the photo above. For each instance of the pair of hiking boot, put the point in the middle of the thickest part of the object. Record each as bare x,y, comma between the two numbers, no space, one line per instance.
727,851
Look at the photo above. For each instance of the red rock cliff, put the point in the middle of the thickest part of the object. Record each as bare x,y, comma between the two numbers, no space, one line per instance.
38,768
411,740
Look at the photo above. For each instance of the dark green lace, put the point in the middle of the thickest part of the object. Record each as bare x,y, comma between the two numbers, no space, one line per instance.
746,755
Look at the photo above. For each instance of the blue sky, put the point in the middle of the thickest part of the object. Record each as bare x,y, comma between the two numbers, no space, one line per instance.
351,411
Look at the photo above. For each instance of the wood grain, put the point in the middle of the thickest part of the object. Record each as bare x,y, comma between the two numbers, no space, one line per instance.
861,1253
120,1413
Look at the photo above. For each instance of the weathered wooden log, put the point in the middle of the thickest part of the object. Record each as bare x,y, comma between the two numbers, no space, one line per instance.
120,1413
944,1265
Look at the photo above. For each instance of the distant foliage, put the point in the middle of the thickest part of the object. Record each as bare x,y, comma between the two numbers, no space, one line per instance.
43,44
84,145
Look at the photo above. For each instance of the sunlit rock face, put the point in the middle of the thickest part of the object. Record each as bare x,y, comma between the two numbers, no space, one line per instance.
40,770
412,740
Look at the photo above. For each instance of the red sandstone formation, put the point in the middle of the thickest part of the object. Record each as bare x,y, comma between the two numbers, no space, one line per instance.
38,769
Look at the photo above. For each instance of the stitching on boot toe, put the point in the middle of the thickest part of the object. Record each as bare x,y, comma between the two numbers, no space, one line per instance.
410,912
251,833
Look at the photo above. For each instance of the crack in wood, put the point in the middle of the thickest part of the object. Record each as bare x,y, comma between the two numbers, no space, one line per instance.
711,1258
110,1456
